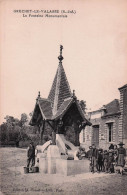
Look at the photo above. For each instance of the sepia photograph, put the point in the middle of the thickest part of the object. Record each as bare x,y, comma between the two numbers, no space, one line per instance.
63,97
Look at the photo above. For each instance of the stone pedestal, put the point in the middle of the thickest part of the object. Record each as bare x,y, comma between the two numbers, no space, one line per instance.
52,155
43,165
52,163
72,167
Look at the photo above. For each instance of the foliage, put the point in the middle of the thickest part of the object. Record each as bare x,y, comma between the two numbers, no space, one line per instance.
3,132
83,105
14,129
24,119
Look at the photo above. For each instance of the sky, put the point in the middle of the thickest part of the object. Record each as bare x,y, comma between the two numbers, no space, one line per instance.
95,48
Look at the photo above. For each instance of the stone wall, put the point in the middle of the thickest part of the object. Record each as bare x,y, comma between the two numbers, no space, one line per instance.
123,117
103,132
86,137
119,121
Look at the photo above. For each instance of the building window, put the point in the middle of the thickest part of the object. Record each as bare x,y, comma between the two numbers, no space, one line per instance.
110,132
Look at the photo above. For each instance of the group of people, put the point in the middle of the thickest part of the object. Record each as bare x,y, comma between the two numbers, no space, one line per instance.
106,160
100,160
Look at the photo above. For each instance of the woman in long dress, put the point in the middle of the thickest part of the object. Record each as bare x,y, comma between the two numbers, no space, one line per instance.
121,155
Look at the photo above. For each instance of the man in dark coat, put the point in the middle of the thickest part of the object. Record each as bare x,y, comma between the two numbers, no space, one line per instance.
94,157
31,155
100,160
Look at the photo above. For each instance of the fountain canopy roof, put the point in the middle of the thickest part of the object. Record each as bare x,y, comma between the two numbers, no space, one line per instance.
59,99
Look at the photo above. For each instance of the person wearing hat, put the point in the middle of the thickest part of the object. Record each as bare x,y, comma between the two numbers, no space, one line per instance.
121,153
100,160
31,155
89,152
94,157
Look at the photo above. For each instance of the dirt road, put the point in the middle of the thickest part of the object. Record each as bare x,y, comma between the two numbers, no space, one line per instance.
14,181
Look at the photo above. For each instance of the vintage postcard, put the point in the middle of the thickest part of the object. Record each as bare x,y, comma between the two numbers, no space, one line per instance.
63,97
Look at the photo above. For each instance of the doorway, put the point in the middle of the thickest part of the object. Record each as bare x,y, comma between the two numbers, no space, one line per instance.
96,135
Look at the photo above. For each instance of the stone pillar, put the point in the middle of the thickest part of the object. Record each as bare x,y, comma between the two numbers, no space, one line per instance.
81,136
123,116
53,138
52,154
77,143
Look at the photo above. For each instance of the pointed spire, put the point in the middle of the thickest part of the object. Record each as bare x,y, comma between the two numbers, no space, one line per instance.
60,57
60,89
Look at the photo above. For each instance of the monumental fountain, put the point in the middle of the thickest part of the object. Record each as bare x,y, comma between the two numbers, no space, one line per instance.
61,118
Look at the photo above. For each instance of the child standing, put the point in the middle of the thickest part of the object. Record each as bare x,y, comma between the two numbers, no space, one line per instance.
110,162
100,160
106,158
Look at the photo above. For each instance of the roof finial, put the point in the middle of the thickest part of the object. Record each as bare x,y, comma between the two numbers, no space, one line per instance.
61,48
73,94
60,57
38,95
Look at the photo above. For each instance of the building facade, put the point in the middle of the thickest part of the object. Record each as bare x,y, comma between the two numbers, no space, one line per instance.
123,116
109,124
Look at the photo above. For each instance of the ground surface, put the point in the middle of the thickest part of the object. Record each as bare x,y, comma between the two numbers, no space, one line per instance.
14,181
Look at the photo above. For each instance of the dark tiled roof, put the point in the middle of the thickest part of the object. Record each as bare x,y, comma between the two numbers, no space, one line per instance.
60,92
62,86
45,107
124,86
66,105
63,108
64,90
51,95
112,108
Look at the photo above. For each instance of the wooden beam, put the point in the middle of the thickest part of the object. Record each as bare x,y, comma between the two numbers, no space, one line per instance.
42,129
76,128
54,127
50,125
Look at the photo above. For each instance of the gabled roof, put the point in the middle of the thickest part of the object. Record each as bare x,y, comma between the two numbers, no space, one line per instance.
65,107
60,89
112,108
45,107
